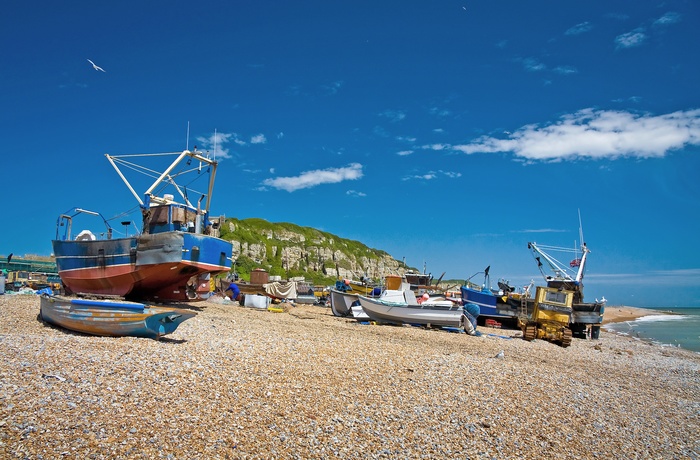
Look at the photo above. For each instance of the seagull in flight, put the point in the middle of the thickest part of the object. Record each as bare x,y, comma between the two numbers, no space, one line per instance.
96,67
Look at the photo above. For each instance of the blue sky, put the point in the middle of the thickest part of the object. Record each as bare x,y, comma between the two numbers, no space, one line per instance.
449,133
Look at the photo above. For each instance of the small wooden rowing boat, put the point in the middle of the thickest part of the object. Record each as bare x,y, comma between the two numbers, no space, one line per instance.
111,318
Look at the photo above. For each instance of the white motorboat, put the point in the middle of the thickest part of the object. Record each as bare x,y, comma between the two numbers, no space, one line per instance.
401,307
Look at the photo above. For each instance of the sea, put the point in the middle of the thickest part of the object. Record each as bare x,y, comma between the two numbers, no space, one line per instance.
680,328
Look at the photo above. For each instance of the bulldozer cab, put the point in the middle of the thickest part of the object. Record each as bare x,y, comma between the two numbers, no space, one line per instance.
552,304
551,316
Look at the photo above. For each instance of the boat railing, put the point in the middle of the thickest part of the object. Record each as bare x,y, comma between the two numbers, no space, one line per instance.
66,220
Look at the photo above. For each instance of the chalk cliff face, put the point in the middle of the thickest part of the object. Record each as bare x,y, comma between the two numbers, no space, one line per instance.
288,248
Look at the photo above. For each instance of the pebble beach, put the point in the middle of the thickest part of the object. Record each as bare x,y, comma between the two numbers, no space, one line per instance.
236,382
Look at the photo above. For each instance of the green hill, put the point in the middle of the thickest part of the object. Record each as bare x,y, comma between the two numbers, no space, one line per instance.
289,250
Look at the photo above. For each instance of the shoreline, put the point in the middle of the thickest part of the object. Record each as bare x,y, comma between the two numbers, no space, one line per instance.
622,313
657,329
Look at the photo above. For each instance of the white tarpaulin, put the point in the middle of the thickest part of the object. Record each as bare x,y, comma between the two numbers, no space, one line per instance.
282,290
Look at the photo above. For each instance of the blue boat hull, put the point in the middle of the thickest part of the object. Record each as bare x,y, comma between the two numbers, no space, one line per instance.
486,301
151,266
109,318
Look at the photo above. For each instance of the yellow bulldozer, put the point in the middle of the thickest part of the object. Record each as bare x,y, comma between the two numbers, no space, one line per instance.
550,316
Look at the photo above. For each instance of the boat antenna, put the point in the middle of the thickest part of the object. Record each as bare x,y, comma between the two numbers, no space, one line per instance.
187,141
215,139
580,229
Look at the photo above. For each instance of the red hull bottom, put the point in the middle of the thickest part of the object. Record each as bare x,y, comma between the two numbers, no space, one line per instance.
164,282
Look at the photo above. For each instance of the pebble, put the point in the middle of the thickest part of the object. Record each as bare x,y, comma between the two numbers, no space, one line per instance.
237,382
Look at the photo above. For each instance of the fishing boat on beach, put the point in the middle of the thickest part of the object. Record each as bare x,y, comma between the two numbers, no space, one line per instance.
173,256
361,287
402,307
584,315
489,301
111,318
422,281
417,279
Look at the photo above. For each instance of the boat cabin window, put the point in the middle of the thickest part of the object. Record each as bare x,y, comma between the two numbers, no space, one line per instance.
169,217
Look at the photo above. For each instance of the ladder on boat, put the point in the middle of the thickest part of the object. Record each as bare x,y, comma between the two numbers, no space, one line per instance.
523,315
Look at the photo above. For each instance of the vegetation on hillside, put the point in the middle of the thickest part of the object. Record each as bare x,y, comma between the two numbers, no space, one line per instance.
261,232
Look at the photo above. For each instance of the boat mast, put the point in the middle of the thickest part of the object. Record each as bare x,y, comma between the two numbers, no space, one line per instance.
128,185
582,263
166,173
147,197
212,177
539,254
584,250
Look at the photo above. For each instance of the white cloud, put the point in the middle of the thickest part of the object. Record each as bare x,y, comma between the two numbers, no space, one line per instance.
639,35
631,39
258,139
596,134
579,28
316,177
427,176
355,193
215,143
565,69
540,230
334,87
634,99
669,18
533,65
693,273
433,175
393,115
403,153
439,112
436,146
689,277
